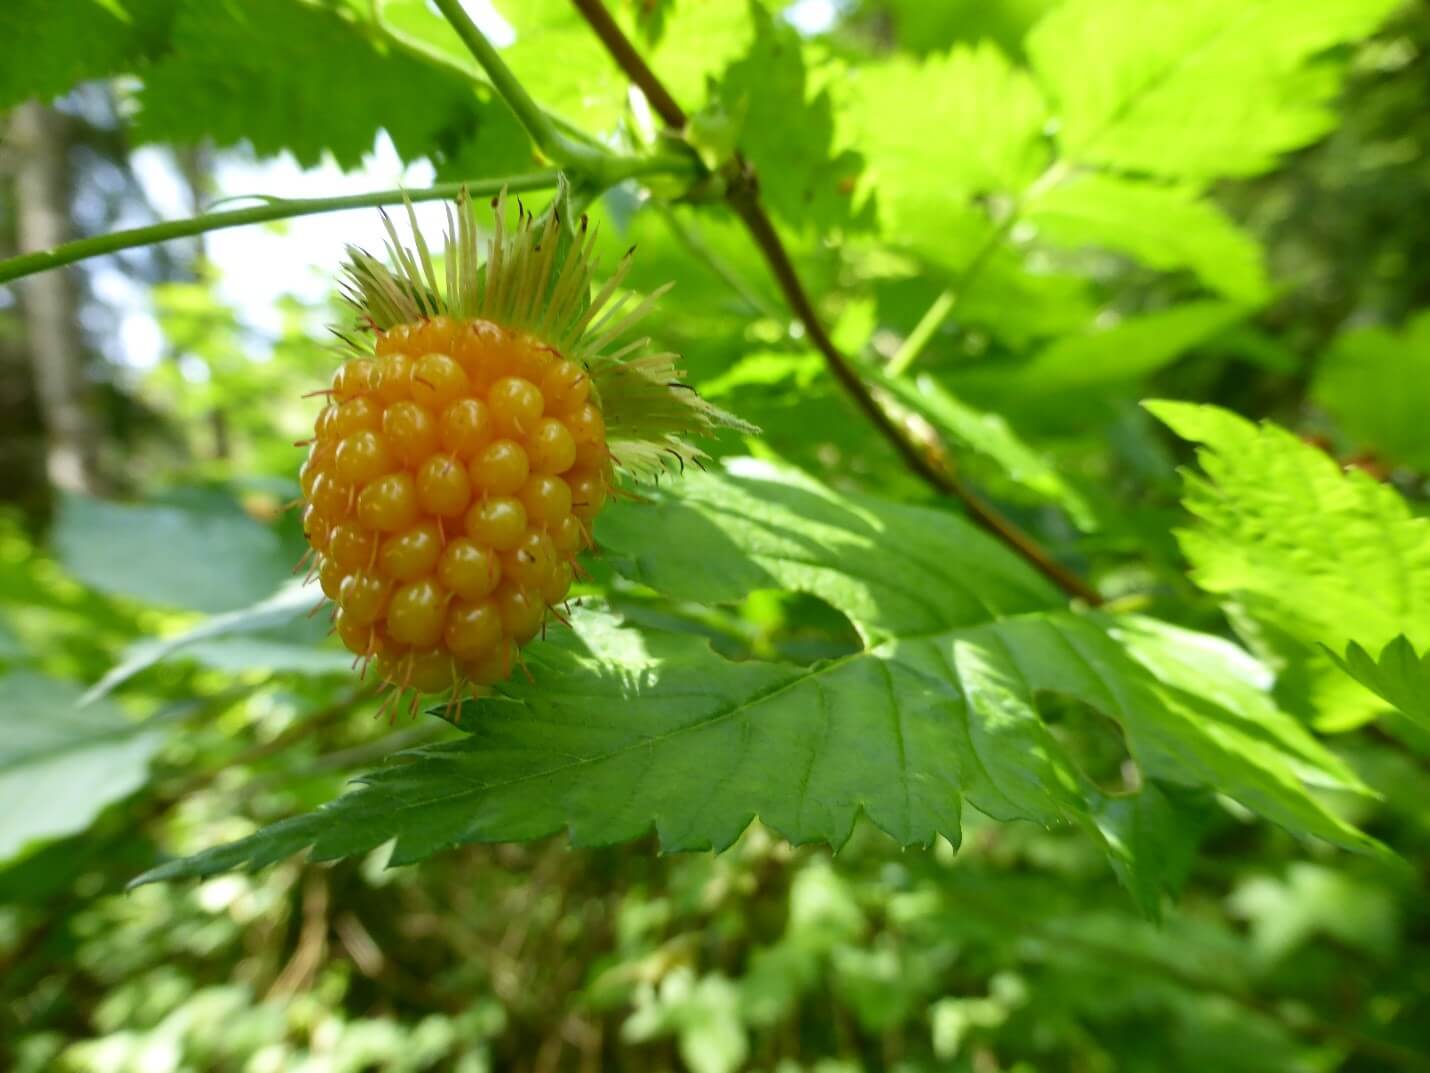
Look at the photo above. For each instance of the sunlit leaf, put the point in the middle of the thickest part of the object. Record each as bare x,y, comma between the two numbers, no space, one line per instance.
976,129
1397,675
1305,555
1325,555
786,129
1194,88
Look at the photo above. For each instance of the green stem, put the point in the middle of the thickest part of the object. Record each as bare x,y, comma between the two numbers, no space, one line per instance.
272,209
436,57
930,322
743,197
947,301
567,151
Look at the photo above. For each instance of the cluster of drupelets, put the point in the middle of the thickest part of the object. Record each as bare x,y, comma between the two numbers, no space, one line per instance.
451,483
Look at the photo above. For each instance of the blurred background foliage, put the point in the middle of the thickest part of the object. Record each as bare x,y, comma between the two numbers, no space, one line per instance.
147,413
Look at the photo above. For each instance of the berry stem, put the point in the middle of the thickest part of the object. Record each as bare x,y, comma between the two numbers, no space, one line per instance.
742,194
556,145
947,301
932,320
271,209
614,170
592,163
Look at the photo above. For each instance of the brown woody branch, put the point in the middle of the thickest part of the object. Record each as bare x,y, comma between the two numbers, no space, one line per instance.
742,193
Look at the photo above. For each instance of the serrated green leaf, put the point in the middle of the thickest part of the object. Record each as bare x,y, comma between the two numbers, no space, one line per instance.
1397,675
1376,384
268,72
1166,227
1327,556
1195,89
1152,839
895,570
786,129
1305,555
61,764
626,732
976,129
621,732
1127,669
50,47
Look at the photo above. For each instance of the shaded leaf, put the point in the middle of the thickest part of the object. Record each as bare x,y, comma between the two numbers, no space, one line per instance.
199,552
61,764
280,609
1164,227
266,72
990,436
895,570
1152,838
51,47
1376,384
1125,351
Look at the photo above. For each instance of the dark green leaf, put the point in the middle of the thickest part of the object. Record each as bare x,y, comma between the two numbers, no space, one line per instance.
311,79
51,46
620,732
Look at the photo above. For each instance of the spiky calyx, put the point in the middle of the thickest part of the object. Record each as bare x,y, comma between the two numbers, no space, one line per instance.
465,452
536,282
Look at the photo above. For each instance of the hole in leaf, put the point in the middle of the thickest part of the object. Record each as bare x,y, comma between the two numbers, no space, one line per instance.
1094,742
768,624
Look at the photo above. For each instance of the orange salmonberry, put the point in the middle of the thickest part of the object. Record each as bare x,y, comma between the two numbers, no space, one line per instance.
462,455
450,486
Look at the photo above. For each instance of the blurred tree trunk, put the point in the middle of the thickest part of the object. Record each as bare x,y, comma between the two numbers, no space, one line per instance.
39,144
196,166
23,480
